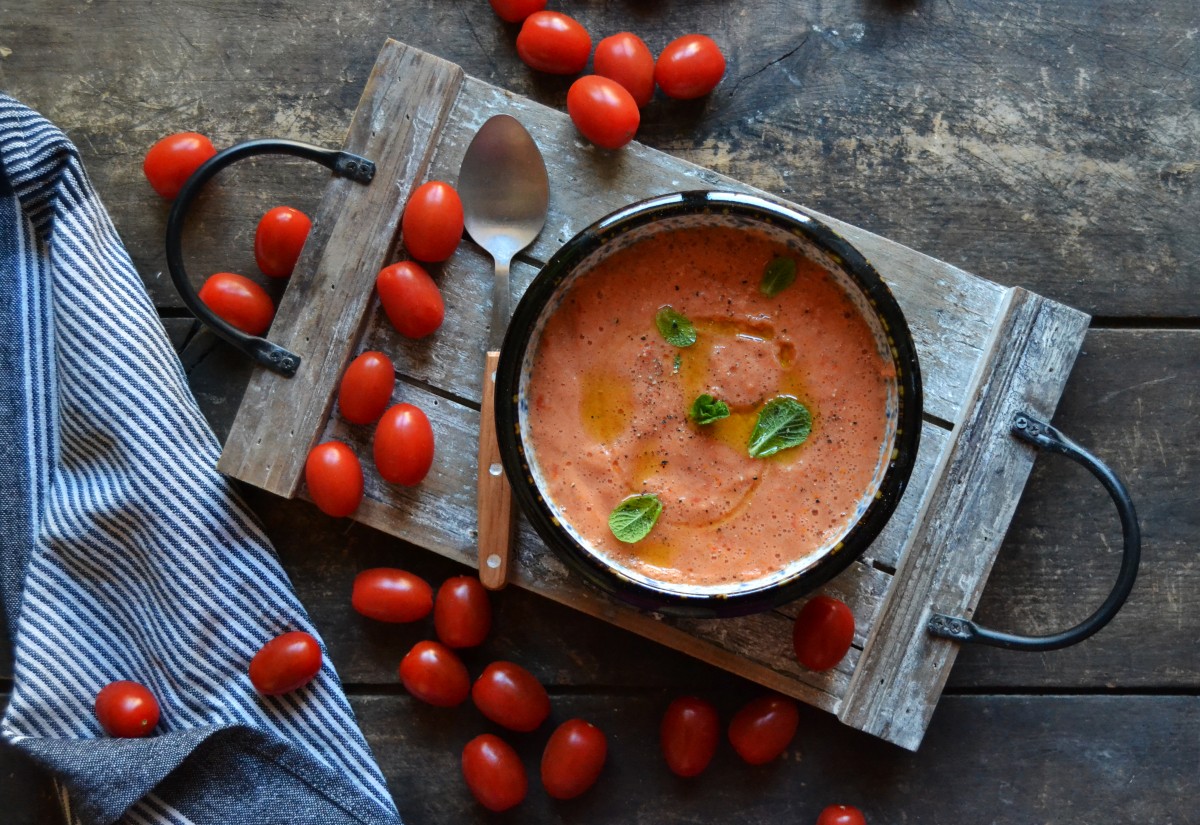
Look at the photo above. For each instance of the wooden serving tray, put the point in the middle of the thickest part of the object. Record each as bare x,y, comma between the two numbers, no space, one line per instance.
986,352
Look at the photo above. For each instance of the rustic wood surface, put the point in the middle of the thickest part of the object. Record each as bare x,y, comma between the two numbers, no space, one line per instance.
1050,146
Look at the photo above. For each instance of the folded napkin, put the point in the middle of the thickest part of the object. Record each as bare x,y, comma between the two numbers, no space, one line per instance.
124,555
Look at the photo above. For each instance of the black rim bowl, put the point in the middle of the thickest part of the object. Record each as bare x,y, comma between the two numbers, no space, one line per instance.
724,208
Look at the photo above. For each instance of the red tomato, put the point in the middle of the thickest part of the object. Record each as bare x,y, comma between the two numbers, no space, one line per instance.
603,111
763,729
514,11
391,595
494,772
841,815
689,67
554,43
573,758
172,160
280,236
626,58
239,301
432,224
823,632
690,732
462,614
511,696
433,673
366,388
334,478
126,709
286,663
403,445
410,298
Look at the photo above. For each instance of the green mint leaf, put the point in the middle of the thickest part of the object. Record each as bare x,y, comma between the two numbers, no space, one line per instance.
783,423
678,330
677,364
706,409
635,517
778,275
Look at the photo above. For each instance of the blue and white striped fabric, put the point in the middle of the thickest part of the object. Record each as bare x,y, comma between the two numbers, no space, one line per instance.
124,555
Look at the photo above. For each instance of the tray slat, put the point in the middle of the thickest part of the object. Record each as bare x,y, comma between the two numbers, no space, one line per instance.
984,349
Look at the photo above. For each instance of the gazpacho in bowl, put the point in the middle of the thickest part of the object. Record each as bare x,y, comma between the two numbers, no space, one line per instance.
711,403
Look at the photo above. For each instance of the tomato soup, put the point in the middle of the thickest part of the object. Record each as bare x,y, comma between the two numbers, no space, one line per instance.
609,399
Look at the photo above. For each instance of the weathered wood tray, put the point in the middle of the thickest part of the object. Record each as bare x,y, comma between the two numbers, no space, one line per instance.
986,352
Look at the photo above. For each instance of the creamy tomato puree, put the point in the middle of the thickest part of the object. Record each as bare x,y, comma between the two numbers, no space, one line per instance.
608,402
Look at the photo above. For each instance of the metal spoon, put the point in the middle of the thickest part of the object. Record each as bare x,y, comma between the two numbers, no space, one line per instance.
505,193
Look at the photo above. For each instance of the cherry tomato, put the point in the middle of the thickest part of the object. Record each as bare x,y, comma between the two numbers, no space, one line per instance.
391,595
603,111
841,815
511,696
126,709
432,224
514,11
239,301
689,67
554,43
626,58
494,772
403,445
334,478
462,614
763,729
280,236
410,298
690,732
366,388
433,673
172,160
573,758
286,663
823,632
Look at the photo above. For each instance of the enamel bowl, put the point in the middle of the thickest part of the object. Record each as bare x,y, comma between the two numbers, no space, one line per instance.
802,235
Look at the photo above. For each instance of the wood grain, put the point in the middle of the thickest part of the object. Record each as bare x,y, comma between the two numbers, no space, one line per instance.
494,498
903,668
964,325
321,313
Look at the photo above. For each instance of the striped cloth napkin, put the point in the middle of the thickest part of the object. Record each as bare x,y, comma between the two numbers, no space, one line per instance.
124,555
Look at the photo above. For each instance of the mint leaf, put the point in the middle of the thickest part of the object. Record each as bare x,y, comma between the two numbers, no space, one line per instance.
635,517
706,409
677,329
778,275
783,423
677,364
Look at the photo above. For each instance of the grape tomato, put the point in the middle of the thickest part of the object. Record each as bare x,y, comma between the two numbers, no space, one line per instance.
335,479
511,696
403,446
462,612
366,388
171,161
689,67
285,663
554,43
278,239
238,301
388,594
433,673
126,709
626,58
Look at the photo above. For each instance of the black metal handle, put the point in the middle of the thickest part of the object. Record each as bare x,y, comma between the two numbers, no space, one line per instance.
1046,437
343,164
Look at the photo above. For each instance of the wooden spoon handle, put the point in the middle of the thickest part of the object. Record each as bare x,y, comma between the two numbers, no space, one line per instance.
494,500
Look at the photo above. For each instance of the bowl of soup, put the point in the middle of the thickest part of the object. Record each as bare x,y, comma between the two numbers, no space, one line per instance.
708,404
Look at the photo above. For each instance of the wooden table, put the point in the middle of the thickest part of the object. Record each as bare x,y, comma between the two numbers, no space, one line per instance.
1050,146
